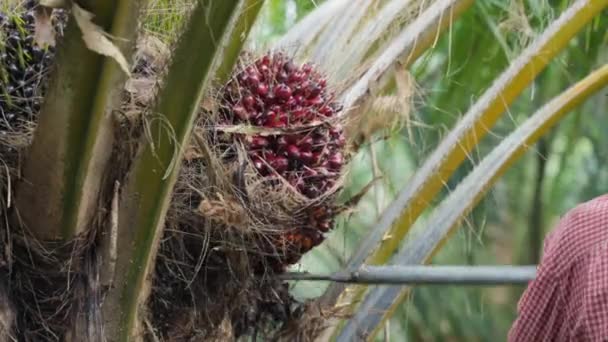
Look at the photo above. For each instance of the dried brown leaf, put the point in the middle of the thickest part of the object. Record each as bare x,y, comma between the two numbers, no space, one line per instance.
96,39
54,3
141,89
224,211
44,33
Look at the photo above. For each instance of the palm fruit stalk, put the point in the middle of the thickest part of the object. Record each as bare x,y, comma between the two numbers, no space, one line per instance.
23,65
299,139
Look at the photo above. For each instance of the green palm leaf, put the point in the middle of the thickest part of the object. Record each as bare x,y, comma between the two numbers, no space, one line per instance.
147,193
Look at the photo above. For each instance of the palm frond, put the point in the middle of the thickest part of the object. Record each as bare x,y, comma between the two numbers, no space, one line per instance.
148,189
381,301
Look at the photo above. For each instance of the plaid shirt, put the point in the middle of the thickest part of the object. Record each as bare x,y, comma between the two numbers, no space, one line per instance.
568,300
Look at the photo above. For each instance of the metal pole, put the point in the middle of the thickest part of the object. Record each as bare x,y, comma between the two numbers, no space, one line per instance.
426,275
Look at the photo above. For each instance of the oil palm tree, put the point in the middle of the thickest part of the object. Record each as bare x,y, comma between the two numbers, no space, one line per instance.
125,219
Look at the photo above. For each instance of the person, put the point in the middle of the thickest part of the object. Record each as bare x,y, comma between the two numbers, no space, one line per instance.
568,299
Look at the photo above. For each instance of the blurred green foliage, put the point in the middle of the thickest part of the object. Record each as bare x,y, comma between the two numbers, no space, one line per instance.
164,18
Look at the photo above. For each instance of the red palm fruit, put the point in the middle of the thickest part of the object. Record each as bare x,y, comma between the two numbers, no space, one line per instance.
268,156
315,101
335,161
282,143
293,152
280,164
264,70
275,120
257,141
259,165
306,156
240,111
340,142
253,81
326,111
290,67
265,60
283,92
313,90
276,108
306,146
316,158
317,238
299,99
295,77
291,102
282,76
262,89
324,226
292,138
306,244
283,120
270,119
298,114
307,68
260,120
249,101
305,143
303,87
319,213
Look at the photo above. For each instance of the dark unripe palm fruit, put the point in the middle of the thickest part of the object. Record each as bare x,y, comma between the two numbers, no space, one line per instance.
24,65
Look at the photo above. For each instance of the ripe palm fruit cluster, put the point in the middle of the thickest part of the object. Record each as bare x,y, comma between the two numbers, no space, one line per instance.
23,67
301,140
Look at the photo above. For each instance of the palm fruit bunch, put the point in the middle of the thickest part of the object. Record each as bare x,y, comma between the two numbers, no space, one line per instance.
23,66
300,139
